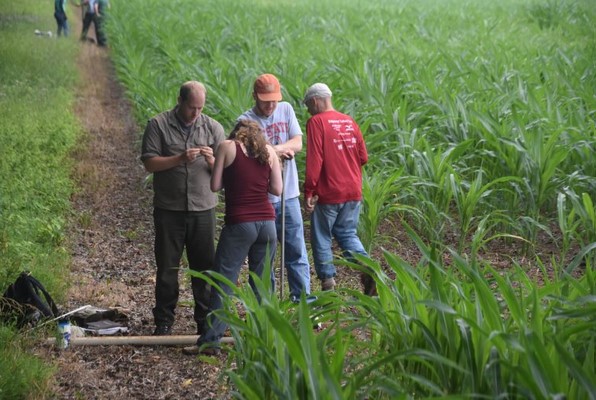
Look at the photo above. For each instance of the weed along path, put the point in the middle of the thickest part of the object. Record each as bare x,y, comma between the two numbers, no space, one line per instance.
111,242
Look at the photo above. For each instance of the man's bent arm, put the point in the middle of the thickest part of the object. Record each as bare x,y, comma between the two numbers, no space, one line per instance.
289,148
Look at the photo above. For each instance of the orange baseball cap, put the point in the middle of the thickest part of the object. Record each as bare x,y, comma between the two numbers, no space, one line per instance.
267,88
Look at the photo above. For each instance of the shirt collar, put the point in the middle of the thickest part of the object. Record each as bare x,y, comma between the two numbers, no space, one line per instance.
174,121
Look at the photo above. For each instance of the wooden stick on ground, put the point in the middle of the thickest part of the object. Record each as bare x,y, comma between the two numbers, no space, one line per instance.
171,340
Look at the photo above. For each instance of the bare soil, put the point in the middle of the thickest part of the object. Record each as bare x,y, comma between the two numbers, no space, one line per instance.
113,265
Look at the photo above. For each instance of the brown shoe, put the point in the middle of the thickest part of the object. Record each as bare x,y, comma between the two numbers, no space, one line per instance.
327,284
195,350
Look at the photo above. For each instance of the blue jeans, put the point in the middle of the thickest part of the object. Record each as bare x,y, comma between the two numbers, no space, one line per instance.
339,221
296,260
62,22
62,28
253,239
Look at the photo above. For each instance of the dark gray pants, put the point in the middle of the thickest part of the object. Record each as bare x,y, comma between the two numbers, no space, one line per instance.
88,18
176,231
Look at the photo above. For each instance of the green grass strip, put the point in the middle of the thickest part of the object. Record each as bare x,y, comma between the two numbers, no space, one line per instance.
37,134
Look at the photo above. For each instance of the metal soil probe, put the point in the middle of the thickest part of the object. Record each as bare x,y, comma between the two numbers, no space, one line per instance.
283,229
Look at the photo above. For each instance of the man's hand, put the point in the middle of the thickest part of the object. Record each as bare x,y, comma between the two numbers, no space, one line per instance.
287,150
284,154
310,203
206,152
162,163
191,155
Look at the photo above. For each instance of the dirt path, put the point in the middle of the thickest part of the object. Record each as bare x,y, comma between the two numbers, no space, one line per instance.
113,258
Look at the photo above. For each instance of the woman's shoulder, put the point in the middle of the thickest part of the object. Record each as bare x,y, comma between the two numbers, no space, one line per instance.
228,146
228,143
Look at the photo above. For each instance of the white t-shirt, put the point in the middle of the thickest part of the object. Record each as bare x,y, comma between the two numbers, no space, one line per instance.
280,127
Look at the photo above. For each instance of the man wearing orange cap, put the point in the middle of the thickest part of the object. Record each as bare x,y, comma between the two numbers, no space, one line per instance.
278,121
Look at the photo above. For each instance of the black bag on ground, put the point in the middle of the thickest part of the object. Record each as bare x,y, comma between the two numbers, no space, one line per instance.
27,301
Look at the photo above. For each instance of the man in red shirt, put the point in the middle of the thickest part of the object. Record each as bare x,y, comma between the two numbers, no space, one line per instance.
335,154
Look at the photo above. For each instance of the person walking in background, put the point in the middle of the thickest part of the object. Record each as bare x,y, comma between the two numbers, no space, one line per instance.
101,11
335,154
281,128
248,169
88,18
178,148
61,18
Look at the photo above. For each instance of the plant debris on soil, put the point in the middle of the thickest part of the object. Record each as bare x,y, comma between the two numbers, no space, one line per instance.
113,264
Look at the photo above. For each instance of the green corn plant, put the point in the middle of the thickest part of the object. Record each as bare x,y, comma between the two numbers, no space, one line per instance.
495,327
487,230
468,199
578,225
278,354
586,213
433,193
585,257
434,331
381,196
568,224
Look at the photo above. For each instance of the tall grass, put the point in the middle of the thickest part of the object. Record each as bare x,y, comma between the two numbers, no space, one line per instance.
22,375
37,133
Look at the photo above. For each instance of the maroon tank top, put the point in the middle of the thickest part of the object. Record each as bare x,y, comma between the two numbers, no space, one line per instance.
246,184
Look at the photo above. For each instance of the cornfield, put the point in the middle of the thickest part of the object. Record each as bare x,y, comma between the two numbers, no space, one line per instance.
480,120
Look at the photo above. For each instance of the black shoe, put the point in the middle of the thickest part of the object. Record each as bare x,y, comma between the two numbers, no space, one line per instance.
201,328
162,330
369,284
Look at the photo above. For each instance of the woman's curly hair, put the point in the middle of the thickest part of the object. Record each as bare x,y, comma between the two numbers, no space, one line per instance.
249,133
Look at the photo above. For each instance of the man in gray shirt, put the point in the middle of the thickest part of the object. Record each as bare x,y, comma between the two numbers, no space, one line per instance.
178,148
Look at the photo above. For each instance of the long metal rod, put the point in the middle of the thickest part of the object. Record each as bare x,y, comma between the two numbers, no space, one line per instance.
283,231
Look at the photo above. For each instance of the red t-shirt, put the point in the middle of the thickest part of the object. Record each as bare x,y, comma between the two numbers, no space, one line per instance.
246,184
335,154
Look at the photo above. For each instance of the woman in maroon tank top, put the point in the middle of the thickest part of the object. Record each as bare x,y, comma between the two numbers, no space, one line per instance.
247,168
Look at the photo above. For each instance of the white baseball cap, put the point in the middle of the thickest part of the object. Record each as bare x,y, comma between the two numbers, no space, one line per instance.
317,90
